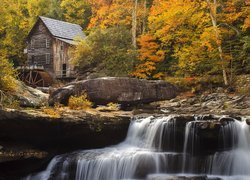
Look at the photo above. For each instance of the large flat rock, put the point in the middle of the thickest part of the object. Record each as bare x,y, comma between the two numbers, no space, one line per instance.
122,90
77,130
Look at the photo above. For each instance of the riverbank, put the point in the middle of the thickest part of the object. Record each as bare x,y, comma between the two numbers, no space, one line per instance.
29,138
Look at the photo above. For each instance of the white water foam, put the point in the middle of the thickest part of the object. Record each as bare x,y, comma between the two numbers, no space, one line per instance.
141,156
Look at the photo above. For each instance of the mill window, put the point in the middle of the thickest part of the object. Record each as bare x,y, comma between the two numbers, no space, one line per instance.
61,47
47,43
47,58
32,43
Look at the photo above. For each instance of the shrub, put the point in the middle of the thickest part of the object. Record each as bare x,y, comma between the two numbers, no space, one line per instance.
55,111
113,106
79,102
7,76
108,51
52,112
196,84
8,101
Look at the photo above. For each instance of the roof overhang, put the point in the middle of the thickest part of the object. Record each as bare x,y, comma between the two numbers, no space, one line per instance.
68,41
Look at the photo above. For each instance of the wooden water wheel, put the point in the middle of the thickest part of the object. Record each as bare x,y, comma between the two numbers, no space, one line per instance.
35,78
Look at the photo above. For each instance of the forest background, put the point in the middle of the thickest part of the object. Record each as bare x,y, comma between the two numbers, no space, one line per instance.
149,39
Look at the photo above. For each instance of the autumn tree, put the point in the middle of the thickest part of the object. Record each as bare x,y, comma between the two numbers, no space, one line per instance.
17,18
108,51
131,14
76,11
196,34
226,18
150,54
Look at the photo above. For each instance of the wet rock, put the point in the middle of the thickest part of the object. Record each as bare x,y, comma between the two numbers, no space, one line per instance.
226,120
13,170
248,121
122,90
177,177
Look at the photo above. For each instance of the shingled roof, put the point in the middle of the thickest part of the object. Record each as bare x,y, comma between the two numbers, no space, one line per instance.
62,30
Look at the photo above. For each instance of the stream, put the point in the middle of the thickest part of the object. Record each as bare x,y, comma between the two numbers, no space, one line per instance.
157,149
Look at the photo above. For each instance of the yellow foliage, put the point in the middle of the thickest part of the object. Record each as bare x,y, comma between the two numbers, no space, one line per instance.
113,106
76,11
52,112
246,24
115,13
8,101
7,76
82,54
80,102
55,111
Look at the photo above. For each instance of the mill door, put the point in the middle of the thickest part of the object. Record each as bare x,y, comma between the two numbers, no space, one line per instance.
64,70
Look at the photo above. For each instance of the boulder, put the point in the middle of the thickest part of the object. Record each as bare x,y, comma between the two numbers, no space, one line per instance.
121,90
30,97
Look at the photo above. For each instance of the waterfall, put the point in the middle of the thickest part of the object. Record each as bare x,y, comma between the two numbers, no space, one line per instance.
237,160
150,151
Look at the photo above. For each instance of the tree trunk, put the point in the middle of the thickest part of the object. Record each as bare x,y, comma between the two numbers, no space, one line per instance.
144,17
134,23
213,12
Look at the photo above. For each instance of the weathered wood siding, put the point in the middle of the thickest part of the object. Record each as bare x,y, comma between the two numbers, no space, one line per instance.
49,52
61,52
40,48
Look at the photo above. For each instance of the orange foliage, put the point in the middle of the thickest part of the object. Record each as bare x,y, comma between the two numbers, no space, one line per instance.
108,13
149,54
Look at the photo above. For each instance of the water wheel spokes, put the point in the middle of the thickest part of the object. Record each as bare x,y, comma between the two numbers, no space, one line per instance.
22,76
34,79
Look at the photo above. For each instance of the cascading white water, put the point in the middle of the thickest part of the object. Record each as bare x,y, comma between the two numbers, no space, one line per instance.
237,160
142,156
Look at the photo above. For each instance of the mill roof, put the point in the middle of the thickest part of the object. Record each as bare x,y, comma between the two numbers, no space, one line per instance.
62,30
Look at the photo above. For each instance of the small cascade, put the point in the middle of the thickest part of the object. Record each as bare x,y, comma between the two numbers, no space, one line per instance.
237,160
151,150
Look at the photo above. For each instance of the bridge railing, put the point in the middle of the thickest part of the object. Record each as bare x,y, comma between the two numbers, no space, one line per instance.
31,67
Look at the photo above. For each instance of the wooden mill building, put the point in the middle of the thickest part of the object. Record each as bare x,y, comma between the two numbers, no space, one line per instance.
48,46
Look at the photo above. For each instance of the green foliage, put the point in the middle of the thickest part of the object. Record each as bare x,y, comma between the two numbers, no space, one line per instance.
80,102
108,50
76,11
7,76
196,84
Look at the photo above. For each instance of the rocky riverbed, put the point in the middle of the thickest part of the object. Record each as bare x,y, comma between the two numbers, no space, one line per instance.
30,137
214,103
